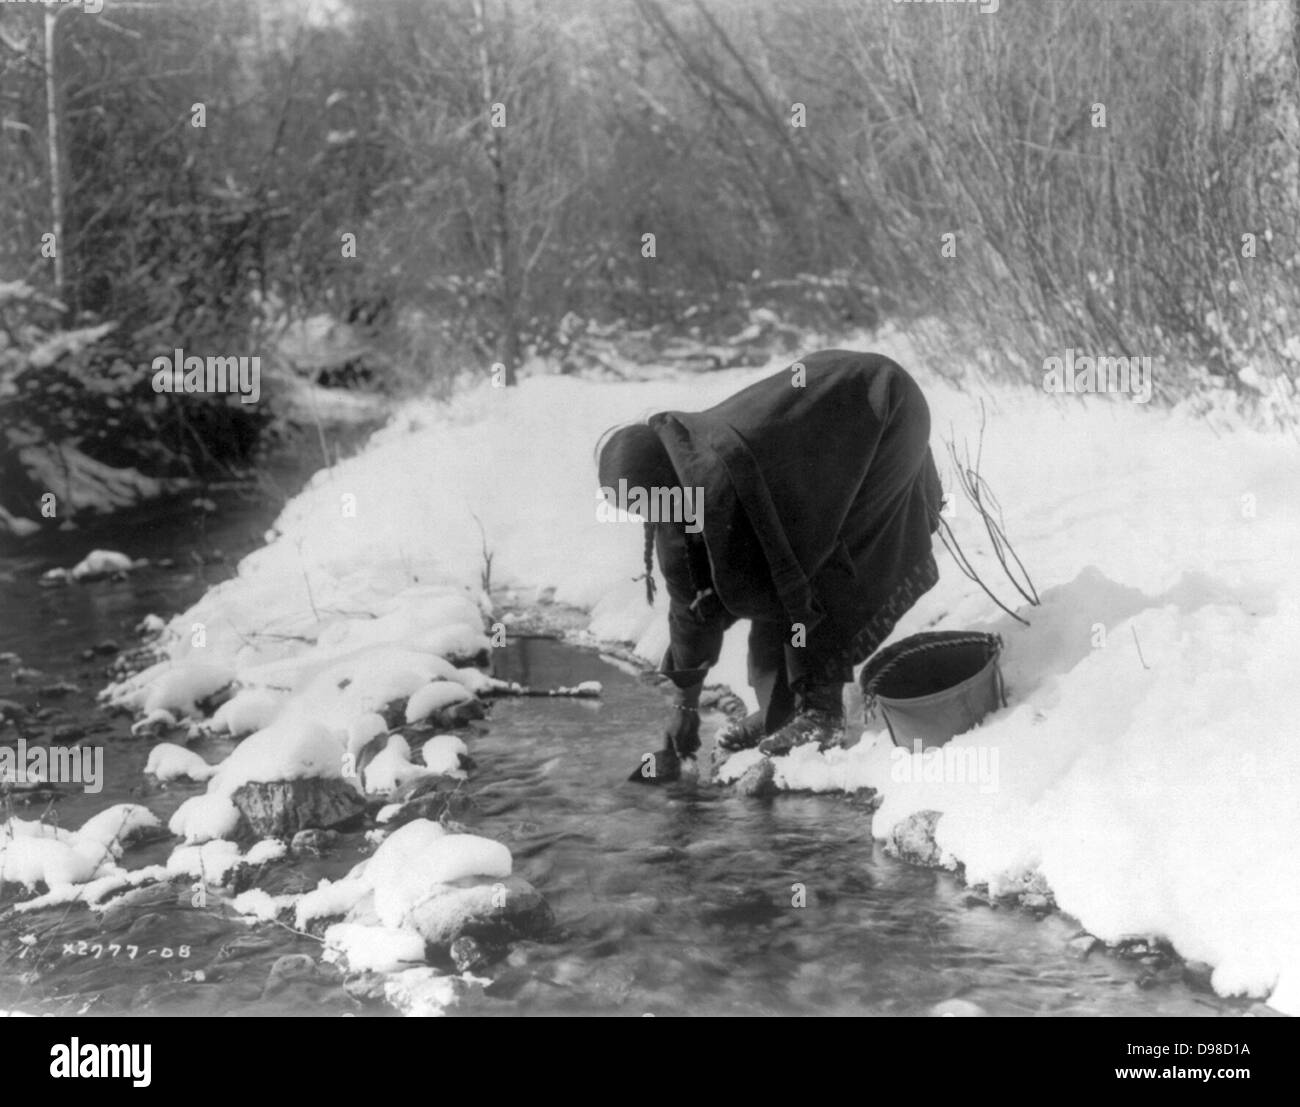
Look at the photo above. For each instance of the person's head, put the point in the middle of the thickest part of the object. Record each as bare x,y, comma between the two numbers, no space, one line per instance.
633,457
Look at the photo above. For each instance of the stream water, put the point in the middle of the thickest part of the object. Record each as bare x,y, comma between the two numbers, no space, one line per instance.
673,900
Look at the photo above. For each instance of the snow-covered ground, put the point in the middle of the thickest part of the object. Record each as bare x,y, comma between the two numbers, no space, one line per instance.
1145,767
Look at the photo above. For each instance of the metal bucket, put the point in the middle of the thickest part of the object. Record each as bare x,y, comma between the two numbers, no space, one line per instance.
933,686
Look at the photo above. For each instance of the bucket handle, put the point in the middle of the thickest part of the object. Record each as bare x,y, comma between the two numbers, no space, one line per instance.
869,702
871,707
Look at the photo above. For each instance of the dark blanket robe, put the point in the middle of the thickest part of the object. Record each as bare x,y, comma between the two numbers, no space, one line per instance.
818,501
818,507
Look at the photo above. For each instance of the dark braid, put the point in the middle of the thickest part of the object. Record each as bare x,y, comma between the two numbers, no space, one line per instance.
650,563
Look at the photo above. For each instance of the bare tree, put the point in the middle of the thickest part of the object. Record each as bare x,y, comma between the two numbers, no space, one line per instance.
504,260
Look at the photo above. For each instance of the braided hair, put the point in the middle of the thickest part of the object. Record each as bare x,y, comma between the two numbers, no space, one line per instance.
635,453
650,563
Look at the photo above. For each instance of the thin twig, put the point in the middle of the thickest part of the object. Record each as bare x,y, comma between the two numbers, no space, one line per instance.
963,563
485,576
980,496
307,581
567,693
1139,646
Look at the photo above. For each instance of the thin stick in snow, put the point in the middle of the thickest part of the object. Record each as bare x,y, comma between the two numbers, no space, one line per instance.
485,576
1139,646
307,581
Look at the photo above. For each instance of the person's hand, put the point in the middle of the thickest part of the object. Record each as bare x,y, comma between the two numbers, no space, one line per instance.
681,740
682,734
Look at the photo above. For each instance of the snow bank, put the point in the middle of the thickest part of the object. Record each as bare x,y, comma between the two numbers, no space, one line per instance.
307,693
1144,768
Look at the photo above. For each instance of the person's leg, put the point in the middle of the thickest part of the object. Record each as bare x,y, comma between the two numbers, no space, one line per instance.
768,678
817,674
768,675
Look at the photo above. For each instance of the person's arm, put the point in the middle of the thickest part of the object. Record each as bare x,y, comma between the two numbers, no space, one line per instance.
697,622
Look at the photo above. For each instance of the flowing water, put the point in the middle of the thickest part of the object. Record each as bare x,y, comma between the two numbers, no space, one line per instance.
673,900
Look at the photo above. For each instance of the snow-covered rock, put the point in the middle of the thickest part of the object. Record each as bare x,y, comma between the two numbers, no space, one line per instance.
494,912
330,900
119,826
435,697
96,564
292,748
260,905
391,768
373,948
443,752
176,689
420,856
202,818
267,849
211,862
33,860
168,761
282,808
912,840
101,563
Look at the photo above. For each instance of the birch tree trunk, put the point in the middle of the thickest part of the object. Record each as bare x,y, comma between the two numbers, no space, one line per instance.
503,246
55,147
